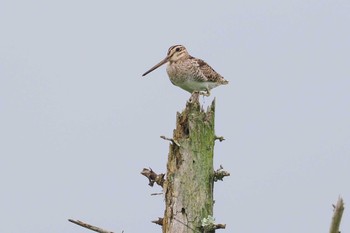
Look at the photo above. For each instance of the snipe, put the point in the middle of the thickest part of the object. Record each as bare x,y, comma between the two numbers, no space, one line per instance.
189,73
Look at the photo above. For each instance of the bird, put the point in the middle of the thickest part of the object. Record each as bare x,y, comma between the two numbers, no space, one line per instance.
189,73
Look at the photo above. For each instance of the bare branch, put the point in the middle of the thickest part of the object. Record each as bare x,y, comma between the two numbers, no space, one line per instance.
338,212
221,138
159,221
170,139
88,226
153,177
220,226
155,194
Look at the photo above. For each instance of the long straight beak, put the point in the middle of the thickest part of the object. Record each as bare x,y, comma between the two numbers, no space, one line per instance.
165,60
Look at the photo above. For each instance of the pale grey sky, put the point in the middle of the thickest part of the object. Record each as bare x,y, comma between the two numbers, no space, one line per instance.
78,123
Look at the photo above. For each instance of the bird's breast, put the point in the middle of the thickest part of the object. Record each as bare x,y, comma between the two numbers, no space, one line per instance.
179,72
186,76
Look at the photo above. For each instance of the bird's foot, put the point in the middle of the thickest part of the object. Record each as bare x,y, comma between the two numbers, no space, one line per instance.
205,93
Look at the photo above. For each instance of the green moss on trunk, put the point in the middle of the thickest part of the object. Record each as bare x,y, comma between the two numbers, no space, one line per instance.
189,183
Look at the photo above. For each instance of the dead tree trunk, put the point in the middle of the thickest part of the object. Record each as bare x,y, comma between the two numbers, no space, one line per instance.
189,180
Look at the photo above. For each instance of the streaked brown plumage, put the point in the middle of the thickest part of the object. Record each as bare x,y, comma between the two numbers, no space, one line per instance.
189,73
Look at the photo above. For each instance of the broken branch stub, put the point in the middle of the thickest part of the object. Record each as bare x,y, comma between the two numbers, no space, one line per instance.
153,177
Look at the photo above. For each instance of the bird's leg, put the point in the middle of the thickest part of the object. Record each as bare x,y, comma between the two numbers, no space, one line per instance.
194,96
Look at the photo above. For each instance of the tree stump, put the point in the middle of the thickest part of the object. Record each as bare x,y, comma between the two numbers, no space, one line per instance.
189,182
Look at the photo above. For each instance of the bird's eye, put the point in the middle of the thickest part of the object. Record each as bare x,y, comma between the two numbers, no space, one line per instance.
177,49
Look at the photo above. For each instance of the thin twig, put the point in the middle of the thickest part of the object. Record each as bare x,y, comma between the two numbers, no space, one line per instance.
221,138
220,226
88,226
170,139
155,194
338,212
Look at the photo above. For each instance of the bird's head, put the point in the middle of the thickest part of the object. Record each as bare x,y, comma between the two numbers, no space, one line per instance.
175,53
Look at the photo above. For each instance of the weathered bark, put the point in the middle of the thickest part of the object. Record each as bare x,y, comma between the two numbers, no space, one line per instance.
189,182
338,213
